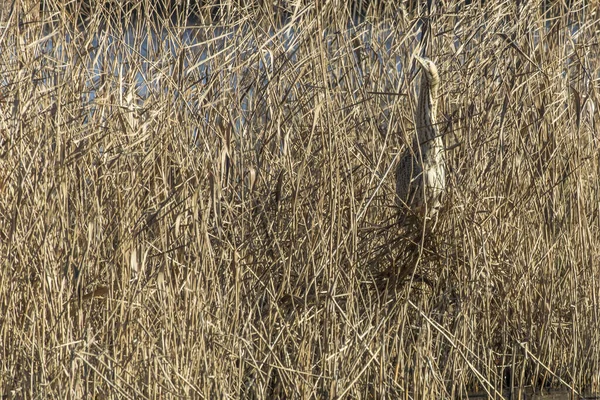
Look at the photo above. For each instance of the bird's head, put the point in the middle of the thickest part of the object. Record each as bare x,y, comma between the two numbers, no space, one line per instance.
429,69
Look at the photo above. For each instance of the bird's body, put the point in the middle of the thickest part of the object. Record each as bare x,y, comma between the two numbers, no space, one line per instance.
421,172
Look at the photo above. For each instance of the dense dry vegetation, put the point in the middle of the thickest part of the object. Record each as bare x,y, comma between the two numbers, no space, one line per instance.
208,211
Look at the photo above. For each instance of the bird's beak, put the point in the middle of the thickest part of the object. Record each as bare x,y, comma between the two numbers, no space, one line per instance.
420,59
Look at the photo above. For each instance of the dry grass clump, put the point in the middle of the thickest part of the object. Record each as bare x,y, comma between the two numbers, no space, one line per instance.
208,211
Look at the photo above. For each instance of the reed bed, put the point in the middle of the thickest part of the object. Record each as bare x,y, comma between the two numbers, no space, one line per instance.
203,207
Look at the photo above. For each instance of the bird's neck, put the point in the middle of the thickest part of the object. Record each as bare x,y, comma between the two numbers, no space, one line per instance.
427,113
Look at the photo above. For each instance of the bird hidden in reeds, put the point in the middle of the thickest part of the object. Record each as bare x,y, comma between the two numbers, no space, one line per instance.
421,171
